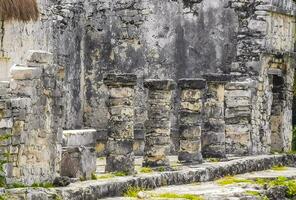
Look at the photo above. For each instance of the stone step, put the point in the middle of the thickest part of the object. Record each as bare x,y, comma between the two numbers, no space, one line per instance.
199,175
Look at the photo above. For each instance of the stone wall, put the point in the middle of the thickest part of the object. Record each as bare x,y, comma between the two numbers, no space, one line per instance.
159,39
32,120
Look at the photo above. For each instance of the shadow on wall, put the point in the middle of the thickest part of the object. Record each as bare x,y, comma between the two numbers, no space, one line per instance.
294,115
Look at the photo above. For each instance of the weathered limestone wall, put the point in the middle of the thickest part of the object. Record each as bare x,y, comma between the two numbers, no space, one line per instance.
32,118
154,39
158,39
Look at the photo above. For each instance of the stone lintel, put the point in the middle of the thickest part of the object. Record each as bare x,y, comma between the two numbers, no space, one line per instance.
192,83
276,72
157,84
120,80
219,78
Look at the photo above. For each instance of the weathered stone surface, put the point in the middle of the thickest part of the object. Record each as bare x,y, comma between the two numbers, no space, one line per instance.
86,137
158,124
33,116
120,143
191,119
78,162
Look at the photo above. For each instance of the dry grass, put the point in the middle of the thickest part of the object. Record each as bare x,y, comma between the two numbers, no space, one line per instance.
19,10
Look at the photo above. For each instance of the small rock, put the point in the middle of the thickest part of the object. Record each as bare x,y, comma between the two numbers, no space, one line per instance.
62,181
143,195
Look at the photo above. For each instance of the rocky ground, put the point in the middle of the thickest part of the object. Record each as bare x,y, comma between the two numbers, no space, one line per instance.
253,177
249,186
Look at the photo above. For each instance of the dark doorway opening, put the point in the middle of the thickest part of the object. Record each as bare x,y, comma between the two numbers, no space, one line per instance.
276,119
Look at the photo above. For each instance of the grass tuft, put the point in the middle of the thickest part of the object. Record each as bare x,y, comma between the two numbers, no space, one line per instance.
228,180
132,192
253,193
94,176
146,170
279,168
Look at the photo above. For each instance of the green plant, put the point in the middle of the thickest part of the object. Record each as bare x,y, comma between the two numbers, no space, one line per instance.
180,196
279,168
132,192
161,169
94,176
105,176
16,185
252,193
120,174
146,170
42,185
228,180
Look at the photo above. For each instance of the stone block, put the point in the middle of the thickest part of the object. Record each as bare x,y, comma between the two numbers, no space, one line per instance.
192,106
24,73
123,92
193,132
156,84
190,118
120,163
190,83
121,129
157,140
120,80
39,57
191,95
6,123
78,162
119,147
76,138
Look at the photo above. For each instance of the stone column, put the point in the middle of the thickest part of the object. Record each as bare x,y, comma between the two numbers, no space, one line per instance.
36,120
119,148
190,119
213,137
158,125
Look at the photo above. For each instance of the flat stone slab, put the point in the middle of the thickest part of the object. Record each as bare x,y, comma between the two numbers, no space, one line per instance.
214,191
288,172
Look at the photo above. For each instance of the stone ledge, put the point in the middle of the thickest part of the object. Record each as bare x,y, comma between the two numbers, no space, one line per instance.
191,83
120,80
157,84
93,190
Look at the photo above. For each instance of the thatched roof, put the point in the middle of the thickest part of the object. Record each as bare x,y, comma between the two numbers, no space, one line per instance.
20,10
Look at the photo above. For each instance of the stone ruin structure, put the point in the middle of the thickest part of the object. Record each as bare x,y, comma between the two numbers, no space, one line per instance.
197,79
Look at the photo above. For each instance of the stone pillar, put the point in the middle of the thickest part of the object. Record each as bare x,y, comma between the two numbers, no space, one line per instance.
190,119
158,125
119,148
213,137
35,120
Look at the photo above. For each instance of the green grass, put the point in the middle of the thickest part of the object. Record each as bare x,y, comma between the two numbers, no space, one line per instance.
42,185
94,176
146,170
132,192
252,193
16,185
120,174
279,168
228,180
180,196
111,175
